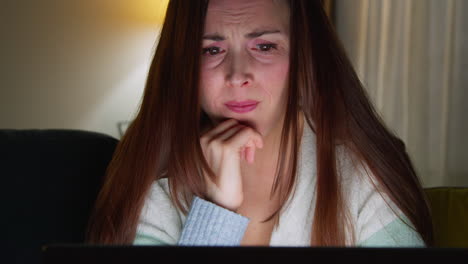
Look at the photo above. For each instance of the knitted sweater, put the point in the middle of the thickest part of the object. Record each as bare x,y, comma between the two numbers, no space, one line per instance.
375,219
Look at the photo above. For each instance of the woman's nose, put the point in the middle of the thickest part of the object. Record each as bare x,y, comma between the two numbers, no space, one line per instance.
238,73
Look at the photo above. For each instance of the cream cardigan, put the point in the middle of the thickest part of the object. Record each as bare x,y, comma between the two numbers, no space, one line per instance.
375,222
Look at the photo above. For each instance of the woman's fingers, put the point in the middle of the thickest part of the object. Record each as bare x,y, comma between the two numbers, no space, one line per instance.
242,153
242,139
229,132
239,137
235,136
245,137
224,147
250,154
220,128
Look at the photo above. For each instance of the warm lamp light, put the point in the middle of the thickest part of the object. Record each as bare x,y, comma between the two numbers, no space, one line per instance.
149,12
160,10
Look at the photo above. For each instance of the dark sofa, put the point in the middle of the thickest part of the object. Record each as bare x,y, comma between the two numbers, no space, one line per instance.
50,180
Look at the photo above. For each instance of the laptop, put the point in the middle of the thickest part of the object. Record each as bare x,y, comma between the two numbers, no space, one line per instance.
78,253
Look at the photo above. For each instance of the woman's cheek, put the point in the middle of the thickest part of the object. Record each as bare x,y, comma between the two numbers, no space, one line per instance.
280,70
211,63
275,80
209,89
265,59
210,83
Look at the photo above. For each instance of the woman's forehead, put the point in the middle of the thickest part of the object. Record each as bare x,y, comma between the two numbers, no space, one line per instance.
248,13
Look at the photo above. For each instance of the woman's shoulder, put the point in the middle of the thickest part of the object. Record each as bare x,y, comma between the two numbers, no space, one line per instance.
160,187
360,187
160,198
377,219
159,216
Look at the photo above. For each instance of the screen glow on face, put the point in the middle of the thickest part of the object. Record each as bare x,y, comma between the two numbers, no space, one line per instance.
245,57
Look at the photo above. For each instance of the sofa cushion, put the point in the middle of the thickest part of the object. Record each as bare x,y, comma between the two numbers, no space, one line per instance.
450,215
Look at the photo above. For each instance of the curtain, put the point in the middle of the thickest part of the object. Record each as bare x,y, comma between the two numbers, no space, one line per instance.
412,57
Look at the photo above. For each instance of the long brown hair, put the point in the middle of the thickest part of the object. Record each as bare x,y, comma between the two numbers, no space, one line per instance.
163,139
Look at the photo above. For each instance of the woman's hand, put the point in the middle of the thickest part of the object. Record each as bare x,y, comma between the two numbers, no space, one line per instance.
224,147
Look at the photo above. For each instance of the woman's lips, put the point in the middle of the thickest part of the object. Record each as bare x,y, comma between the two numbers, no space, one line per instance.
242,107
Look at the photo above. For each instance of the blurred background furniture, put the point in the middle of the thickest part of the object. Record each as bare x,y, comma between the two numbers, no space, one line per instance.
450,215
51,178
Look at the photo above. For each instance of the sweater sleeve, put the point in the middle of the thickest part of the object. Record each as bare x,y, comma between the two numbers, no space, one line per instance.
211,225
206,224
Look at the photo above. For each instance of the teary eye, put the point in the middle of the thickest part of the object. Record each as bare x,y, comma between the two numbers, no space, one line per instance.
265,47
212,51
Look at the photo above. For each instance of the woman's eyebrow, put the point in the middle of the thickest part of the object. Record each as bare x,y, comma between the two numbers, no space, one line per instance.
258,33
214,37
251,35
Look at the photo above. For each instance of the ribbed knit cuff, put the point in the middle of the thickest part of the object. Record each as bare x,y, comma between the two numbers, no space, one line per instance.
208,224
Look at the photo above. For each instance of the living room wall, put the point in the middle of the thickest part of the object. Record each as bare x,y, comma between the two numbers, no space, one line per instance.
75,64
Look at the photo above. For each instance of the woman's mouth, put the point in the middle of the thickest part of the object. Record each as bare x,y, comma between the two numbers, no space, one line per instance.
242,107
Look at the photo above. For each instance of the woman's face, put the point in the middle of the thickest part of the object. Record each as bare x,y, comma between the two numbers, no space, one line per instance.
245,61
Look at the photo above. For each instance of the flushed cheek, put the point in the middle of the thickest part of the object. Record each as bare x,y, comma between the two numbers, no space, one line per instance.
210,90
275,81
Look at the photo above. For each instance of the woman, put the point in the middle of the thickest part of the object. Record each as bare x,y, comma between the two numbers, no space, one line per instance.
255,130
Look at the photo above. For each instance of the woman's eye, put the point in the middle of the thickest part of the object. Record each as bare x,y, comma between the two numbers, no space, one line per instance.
212,51
266,47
